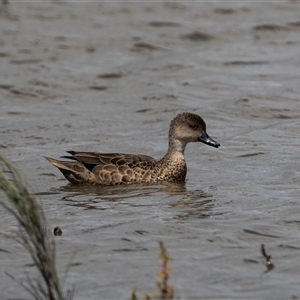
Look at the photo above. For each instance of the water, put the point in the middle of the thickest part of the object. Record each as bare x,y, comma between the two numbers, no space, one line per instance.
244,82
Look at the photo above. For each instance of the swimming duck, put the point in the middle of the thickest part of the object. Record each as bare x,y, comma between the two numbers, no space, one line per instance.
117,168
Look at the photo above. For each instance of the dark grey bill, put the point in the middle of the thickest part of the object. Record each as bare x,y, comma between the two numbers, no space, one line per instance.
204,138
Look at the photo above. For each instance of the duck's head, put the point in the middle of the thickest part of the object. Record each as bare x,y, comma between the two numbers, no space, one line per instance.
188,128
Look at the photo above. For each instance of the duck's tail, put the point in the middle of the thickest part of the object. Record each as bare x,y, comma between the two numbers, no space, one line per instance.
75,172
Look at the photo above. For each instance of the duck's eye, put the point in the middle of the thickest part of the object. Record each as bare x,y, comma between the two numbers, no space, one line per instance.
193,126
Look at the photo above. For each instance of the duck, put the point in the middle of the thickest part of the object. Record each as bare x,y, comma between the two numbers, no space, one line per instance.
94,168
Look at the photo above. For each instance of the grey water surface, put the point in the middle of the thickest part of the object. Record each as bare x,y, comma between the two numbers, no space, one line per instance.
109,77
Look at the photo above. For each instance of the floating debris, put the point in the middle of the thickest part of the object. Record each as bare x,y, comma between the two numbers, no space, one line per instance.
270,266
57,231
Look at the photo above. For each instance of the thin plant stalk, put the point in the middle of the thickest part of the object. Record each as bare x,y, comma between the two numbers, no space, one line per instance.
165,291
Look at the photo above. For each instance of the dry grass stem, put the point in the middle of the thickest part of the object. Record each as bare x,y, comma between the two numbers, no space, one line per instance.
165,291
133,295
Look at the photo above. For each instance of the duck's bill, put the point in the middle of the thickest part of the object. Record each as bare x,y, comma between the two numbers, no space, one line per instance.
206,139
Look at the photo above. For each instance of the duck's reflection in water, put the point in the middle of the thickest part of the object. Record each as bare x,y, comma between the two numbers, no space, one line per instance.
186,203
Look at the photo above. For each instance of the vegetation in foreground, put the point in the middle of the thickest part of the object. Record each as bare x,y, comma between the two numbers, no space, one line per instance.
165,291
32,233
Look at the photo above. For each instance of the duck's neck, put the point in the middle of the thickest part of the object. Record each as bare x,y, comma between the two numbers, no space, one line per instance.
172,165
175,153
177,146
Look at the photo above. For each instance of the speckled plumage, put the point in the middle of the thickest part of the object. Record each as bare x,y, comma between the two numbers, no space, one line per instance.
117,168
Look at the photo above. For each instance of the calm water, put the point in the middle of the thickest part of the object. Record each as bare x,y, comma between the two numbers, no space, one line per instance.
110,77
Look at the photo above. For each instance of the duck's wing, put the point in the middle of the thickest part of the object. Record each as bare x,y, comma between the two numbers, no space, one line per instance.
116,167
